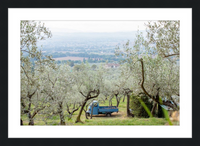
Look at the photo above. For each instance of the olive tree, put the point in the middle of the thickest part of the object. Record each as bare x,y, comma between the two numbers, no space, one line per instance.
89,83
154,69
113,87
32,65
164,83
58,83
156,78
74,101
128,84
32,99
116,92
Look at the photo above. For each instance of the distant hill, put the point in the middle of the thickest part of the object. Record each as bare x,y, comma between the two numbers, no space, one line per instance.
83,39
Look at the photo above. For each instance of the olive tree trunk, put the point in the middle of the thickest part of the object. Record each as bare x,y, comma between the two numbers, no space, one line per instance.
127,106
117,98
31,121
87,97
78,119
124,98
21,122
61,114
153,108
118,101
62,118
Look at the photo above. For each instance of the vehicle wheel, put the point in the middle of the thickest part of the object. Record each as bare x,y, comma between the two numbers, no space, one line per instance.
108,114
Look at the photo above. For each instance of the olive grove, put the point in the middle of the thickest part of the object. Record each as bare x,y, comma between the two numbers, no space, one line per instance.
150,67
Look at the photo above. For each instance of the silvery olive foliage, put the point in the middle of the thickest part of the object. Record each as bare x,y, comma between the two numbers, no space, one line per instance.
57,84
160,76
116,85
117,82
32,65
32,100
110,77
153,62
128,82
30,33
164,36
88,79
60,88
89,83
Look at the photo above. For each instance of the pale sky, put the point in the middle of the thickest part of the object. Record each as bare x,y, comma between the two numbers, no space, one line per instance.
94,26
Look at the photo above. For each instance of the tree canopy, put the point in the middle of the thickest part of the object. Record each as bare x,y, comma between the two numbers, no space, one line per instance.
153,61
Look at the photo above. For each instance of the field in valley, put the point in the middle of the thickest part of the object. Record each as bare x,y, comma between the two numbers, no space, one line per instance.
70,58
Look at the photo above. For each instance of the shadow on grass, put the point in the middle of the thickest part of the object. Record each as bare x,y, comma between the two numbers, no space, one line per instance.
113,115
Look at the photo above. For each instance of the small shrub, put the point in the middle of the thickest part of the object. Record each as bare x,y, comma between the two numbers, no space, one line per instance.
136,107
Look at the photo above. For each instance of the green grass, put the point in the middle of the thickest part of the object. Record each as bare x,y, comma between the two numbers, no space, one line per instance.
119,118
123,121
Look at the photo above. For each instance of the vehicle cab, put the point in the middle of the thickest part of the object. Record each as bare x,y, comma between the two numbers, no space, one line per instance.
95,106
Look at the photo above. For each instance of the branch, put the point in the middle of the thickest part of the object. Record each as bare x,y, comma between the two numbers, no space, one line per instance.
32,93
94,91
76,109
28,52
142,83
22,103
53,83
25,72
165,56
73,110
48,94
68,109
35,112
29,106
83,94
25,111
127,90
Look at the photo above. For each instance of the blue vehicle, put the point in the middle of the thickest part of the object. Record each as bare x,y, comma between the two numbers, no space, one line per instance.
100,109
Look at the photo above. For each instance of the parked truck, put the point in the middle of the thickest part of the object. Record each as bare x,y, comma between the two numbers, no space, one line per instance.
95,109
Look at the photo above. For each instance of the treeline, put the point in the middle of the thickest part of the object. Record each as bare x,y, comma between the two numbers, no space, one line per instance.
85,55
91,58
69,62
72,62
